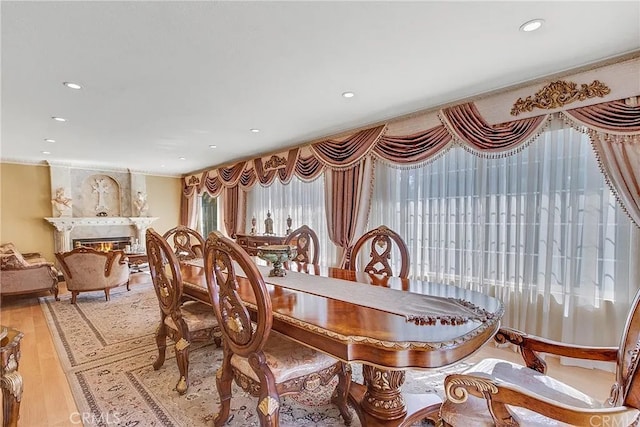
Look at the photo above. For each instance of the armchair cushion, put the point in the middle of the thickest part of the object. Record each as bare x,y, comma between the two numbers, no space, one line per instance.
10,257
474,411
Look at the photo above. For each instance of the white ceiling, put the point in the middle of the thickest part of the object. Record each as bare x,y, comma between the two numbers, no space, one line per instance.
164,80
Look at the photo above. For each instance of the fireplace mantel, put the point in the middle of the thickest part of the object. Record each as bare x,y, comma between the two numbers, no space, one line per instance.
65,224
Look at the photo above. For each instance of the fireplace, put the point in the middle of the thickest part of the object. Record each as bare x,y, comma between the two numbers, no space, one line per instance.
98,209
105,244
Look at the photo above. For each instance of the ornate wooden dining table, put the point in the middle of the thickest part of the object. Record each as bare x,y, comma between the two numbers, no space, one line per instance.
344,313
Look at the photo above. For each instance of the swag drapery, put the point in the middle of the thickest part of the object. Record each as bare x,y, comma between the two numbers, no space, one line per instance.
613,127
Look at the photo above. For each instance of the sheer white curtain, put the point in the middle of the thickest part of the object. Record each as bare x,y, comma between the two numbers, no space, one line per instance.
194,212
304,201
540,230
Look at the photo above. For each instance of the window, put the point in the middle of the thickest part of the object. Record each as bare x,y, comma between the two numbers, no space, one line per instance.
539,229
209,214
303,201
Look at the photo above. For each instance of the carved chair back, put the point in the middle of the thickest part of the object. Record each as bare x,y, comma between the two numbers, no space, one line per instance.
187,243
381,241
239,335
308,247
626,390
165,274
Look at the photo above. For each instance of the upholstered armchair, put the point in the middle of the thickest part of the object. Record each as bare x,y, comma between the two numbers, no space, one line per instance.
87,270
25,274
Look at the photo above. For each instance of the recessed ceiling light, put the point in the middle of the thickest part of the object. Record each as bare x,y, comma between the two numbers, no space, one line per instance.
49,140
59,119
161,166
71,85
213,146
532,25
46,152
348,94
182,158
255,130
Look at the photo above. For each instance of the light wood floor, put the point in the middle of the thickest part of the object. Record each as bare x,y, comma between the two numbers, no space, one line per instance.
47,399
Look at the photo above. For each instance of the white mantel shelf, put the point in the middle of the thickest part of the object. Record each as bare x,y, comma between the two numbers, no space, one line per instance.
68,222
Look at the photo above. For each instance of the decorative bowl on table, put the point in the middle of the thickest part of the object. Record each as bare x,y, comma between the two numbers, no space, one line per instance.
276,255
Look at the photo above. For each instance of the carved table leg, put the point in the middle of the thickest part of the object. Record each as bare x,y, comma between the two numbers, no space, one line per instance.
383,399
379,402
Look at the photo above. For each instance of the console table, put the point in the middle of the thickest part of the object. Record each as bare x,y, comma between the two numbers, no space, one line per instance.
10,379
250,242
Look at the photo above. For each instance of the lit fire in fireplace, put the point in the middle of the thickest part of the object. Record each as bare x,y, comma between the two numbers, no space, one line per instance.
103,245
98,246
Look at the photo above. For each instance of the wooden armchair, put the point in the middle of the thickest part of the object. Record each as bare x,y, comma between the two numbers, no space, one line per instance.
263,362
183,322
501,393
308,249
186,242
87,270
380,243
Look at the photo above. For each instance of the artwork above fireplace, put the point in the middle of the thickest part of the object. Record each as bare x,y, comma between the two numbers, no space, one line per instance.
97,206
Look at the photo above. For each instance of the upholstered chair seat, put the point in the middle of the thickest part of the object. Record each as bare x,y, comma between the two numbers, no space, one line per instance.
286,359
197,316
473,412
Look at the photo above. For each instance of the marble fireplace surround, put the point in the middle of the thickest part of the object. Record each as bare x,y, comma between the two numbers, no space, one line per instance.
69,228
98,204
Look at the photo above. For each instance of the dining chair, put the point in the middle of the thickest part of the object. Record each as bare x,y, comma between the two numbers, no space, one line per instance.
502,393
182,321
262,362
307,246
187,243
380,243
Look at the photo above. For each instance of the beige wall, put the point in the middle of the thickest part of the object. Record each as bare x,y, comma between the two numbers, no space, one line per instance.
25,200
163,194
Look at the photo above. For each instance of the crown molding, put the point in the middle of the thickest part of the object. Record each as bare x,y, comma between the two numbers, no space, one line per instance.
87,166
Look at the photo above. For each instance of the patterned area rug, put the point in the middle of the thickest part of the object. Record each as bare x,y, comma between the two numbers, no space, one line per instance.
107,350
